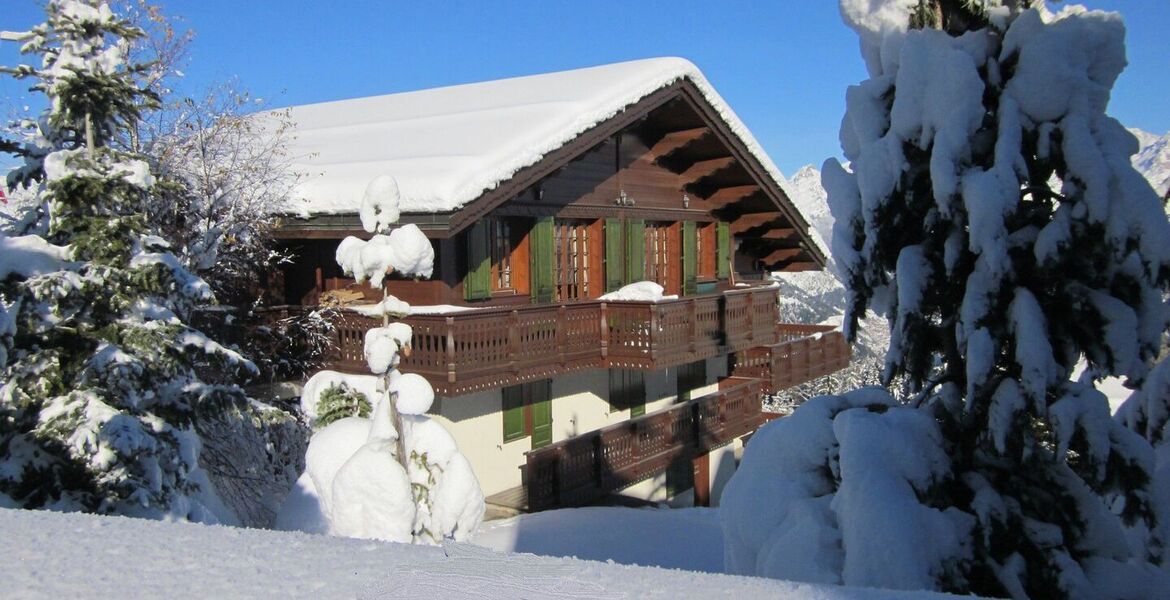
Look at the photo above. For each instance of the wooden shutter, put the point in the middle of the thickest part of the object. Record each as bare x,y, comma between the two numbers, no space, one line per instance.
690,259
615,266
635,250
541,413
723,251
513,409
543,260
477,285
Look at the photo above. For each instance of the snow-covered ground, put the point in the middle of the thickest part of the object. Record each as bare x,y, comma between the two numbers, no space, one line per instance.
683,538
71,555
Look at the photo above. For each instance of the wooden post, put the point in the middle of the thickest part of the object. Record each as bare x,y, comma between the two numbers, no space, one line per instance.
560,334
450,321
692,325
702,479
513,340
604,324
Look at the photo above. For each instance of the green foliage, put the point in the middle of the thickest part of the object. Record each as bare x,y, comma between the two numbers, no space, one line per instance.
105,386
339,401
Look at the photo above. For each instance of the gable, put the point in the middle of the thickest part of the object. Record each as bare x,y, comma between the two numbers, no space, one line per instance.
461,152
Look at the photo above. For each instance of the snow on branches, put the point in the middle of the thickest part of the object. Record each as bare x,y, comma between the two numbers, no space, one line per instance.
398,475
990,211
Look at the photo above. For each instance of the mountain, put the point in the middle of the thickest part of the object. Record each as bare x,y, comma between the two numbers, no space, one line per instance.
1153,160
817,296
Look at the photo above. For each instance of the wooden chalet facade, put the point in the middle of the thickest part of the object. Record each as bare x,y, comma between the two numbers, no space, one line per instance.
557,396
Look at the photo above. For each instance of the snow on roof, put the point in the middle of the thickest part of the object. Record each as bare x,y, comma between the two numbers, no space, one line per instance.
446,146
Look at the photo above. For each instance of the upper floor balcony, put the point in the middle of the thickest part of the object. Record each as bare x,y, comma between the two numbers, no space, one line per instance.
466,351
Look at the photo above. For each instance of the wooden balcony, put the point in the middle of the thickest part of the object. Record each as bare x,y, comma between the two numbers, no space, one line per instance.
802,353
585,468
493,347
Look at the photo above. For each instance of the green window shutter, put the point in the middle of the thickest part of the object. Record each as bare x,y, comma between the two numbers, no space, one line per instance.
690,256
723,251
513,410
635,250
543,260
541,413
615,271
478,283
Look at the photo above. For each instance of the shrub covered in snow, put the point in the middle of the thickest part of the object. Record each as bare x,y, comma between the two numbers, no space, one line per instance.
339,401
991,213
398,475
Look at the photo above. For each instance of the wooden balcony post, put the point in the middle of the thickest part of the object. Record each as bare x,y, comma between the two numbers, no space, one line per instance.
650,335
751,317
450,322
603,313
513,339
560,334
692,326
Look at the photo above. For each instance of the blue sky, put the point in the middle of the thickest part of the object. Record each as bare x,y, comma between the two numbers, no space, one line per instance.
783,66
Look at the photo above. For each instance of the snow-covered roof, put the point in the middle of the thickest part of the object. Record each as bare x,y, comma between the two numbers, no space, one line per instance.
446,146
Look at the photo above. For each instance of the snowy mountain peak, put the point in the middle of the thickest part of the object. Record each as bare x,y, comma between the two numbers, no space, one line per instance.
812,201
1153,160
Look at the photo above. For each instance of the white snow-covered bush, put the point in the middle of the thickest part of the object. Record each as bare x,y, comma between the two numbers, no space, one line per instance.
830,495
398,475
990,211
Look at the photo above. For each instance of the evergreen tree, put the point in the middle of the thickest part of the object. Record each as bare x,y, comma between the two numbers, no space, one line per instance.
102,390
1006,236
991,212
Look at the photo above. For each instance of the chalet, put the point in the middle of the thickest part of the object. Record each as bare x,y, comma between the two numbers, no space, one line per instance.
540,195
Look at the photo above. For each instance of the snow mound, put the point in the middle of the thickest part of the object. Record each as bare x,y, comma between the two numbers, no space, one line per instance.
415,394
829,495
379,207
639,291
383,345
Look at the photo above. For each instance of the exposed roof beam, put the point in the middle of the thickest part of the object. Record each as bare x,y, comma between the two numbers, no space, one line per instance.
727,195
675,140
801,266
743,223
782,254
705,168
778,233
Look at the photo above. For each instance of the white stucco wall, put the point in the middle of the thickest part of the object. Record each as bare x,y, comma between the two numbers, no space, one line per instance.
580,404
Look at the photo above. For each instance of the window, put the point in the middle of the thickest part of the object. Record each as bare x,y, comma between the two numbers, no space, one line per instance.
500,241
627,389
658,254
527,411
571,240
706,251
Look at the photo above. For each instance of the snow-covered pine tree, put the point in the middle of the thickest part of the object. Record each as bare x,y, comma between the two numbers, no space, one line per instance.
102,389
991,212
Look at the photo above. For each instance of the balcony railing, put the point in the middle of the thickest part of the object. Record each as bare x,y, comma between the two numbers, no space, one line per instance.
803,353
493,347
584,468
